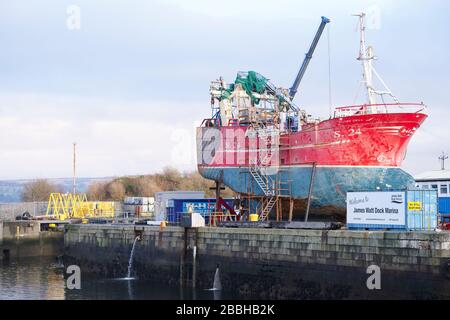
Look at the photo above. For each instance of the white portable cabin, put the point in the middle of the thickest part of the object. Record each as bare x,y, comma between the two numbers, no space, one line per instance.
438,180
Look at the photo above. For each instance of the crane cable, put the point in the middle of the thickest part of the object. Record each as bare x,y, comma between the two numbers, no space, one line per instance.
330,100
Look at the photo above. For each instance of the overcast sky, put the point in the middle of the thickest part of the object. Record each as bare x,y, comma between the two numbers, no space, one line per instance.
130,85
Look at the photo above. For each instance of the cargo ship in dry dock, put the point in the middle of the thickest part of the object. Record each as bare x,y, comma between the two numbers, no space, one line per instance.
260,144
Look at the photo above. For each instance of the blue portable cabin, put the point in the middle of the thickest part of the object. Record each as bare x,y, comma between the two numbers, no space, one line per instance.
438,180
176,208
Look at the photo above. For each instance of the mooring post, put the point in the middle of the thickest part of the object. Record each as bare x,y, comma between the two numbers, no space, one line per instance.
311,185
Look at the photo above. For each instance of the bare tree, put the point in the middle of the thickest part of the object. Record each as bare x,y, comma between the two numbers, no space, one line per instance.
115,190
39,190
147,186
169,179
194,181
97,191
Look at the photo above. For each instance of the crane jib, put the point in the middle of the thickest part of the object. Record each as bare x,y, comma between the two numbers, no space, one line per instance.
309,54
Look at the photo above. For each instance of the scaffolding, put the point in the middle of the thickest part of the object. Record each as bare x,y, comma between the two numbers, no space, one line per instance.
223,211
265,175
268,114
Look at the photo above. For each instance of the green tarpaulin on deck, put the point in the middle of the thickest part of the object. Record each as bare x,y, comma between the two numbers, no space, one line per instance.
251,82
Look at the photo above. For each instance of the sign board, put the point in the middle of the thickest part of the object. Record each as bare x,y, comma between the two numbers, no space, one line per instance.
414,206
376,208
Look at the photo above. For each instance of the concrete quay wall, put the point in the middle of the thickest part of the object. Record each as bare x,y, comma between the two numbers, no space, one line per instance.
20,239
271,263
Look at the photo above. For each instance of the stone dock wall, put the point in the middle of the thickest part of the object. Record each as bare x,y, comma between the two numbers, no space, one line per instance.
271,263
21,239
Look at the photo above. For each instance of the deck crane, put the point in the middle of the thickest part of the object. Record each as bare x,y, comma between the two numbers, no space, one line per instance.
309,54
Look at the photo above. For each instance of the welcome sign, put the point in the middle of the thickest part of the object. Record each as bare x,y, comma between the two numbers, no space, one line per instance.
376,208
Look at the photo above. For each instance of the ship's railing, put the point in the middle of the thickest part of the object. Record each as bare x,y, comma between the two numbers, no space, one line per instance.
234,122
210,122
215,122
379,108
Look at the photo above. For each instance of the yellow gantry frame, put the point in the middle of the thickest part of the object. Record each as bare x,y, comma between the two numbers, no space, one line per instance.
66,206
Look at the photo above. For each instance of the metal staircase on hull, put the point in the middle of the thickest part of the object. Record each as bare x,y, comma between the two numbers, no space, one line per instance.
267,207
265,182
267,185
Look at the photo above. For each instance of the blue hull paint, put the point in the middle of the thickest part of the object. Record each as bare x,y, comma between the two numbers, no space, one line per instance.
330,186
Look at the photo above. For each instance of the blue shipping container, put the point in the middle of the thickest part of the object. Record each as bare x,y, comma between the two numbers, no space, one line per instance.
424,216
176,208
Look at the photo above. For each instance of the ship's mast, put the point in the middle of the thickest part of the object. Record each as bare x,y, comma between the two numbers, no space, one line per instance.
366,56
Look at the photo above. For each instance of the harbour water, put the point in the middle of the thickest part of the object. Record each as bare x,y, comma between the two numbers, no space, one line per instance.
43,279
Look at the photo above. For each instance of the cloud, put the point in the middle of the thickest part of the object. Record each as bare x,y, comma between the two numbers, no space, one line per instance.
130,85
255,10
114,138
122,137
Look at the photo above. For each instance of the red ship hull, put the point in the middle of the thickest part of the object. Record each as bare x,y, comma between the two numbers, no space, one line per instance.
350,153
361,140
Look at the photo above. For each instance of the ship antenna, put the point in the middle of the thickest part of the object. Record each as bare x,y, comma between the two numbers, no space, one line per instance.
366,56
443,158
